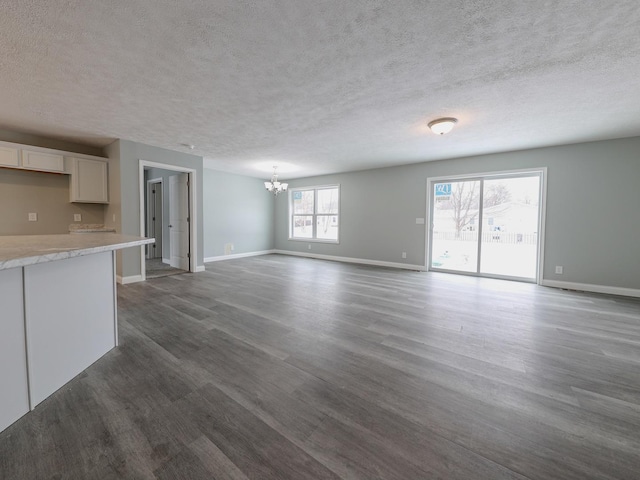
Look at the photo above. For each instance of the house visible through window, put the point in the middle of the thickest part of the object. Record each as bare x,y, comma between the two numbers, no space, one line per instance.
314,213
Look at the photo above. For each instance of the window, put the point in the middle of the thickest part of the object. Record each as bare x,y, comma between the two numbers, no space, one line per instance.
314,213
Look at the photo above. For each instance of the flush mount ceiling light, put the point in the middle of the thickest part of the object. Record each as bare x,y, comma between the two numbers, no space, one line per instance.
442,125
274,186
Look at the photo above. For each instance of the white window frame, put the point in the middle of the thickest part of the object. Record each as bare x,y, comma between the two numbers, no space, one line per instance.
315,215
542,215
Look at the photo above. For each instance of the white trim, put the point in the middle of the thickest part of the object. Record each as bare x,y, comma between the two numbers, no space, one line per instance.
193,210
428,223
589,287
499,173
314,225
316,240
237,255
363,261
542,206
312,187
166,260
200,268
130,279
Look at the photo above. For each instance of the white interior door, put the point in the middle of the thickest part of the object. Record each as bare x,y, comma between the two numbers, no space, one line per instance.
179,220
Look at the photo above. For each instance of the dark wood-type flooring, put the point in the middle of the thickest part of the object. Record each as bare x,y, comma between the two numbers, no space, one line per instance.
155,268
280,367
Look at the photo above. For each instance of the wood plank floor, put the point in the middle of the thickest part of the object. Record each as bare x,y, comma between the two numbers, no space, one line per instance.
280,367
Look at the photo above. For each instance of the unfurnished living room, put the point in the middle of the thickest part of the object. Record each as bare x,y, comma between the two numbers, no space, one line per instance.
318,239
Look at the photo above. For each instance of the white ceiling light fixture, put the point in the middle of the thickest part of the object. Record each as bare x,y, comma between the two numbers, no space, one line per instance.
274,186
442,125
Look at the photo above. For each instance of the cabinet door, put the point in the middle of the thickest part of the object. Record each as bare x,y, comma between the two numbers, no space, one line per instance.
9,157
89,181
46,162
70,318
14,393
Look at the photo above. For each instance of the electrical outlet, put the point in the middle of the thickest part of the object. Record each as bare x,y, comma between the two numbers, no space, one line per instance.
232,247
114,217
33,217
77,217
309,247
404,254
559,269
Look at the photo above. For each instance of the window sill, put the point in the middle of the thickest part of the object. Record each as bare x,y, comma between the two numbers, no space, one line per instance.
314,240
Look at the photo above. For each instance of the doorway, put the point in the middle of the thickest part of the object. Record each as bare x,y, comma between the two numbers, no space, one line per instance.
157,264
487,225
167,209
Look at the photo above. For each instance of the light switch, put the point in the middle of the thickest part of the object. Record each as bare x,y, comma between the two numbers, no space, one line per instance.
77,217
33,217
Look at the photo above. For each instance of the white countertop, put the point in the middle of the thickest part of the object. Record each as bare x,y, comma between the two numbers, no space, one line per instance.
23,250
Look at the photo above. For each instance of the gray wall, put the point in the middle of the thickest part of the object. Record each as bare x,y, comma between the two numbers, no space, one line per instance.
124,156
593,210
46,194
238,210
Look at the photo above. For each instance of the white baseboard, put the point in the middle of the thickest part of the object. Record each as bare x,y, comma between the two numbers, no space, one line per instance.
166,260
131,279
588,287
237,255
199,268
362,261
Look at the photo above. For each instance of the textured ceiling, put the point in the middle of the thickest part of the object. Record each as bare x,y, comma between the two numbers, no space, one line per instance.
322,85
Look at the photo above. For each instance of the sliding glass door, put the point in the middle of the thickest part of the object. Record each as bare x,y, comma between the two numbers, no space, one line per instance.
454,241
487,225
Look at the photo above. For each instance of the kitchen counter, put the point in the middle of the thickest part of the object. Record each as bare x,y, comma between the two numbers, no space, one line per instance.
89,228
23,250
58,301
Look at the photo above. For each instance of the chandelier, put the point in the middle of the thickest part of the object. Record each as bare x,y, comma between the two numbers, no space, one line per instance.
274,186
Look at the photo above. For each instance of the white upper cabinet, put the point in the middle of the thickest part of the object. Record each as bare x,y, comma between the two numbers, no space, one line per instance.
44,162
9,157
88,176
89,181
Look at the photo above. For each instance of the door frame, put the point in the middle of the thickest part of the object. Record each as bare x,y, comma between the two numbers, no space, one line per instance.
193,213
542,215
150,186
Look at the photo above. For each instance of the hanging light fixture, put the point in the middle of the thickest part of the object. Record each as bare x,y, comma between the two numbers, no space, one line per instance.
274,186
442,125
